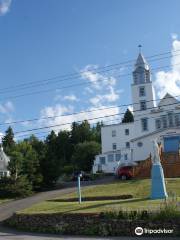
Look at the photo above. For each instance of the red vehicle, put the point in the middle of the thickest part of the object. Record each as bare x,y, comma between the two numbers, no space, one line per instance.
125,173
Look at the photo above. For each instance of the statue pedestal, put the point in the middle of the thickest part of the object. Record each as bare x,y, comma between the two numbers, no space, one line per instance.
158,187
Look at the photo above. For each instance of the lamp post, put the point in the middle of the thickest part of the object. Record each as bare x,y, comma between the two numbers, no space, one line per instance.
79,187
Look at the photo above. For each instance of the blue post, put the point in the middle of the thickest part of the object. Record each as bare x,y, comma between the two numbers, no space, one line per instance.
79,188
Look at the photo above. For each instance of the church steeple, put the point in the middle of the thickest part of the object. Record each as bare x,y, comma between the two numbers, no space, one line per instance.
141,62
141,73
142,88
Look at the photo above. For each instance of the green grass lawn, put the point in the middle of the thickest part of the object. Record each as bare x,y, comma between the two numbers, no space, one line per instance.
140,189
5,200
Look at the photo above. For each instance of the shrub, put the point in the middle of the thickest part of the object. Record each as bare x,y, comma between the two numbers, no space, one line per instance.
10,188
169,209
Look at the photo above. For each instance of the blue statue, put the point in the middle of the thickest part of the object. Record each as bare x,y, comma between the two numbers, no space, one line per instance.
158,187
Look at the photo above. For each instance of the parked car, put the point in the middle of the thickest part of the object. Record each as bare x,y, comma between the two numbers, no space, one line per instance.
125,173
84,176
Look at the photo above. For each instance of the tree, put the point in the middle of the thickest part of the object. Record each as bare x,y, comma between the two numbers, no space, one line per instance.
8,141
64,150
128,117
50,166
80,132
30,164
15,164
84,155
96,132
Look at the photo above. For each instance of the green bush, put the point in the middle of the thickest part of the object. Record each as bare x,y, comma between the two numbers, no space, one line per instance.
169,209
10,188
68,170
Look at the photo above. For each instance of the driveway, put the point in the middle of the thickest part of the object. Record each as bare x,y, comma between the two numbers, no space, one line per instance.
7,209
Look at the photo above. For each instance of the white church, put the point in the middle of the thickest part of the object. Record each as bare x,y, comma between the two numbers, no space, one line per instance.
128,143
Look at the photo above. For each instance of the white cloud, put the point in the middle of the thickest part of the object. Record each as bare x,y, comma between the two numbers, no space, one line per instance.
169,81
174,36
5,6
71,97
101,93
111,96
7,107
96,79
130,108
102,89
59,110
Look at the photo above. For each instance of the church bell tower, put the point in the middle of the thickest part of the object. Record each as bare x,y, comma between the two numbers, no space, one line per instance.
142,88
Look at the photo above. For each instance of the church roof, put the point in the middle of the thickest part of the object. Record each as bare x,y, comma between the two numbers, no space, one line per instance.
155,132
167,99
141,62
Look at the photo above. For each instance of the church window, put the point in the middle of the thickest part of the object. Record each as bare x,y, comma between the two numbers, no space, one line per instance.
177,119
113,133
164,121
118,157
114,146
127,145
125,156
170,119
127,131
142,105
158,123
144,124
142,91
110,158
140,144
102,160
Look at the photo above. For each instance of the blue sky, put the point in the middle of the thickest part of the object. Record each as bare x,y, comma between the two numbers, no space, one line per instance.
46,38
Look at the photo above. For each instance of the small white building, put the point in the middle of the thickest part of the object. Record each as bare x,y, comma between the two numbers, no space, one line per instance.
125,143
4,160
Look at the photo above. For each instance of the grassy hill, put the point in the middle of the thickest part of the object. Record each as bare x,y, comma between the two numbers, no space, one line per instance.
140,189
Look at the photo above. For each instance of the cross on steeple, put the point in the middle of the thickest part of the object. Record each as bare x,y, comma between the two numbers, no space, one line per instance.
139,46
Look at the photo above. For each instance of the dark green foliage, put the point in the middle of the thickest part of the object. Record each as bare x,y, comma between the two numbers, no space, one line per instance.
128,117
15,164
84,155
30,164
68,169
8,140
43,162
10,188
50,166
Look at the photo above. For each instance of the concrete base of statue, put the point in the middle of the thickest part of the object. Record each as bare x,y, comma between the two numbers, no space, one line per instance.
158,187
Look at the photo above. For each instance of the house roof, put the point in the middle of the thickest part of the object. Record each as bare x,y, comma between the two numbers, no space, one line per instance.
167,99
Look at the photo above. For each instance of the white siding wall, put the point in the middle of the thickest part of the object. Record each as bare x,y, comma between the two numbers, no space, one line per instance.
142,153
120,139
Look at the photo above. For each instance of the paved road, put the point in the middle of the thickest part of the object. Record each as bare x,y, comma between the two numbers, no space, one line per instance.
8,234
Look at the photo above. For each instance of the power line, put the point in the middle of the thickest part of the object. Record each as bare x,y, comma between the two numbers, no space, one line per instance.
75,75
112,115
74,85
81,112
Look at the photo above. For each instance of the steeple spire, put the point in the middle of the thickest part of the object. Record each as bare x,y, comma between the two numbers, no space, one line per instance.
139,46
141,73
